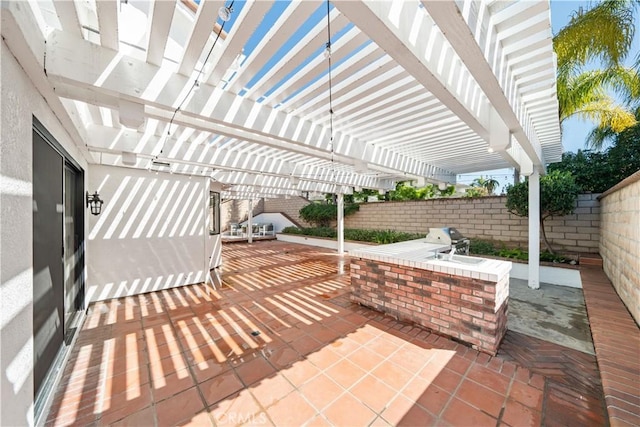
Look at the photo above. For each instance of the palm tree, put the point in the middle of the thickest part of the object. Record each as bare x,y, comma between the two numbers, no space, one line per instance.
603,33
488,184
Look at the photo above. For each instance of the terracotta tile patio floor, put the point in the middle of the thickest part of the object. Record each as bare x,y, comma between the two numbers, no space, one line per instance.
278,343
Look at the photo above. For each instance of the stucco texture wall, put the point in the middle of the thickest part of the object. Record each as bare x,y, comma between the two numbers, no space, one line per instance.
151,235
620,240
483,218
234,211
20,102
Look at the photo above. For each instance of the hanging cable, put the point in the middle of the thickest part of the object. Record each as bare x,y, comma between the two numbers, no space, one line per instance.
328,55
196,83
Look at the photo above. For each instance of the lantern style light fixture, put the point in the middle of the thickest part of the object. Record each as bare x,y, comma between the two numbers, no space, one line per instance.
95,203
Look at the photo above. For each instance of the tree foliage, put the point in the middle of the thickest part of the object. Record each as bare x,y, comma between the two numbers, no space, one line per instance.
321,214
475,192
598,171
488,184
360,196
558,194
405,191
603,33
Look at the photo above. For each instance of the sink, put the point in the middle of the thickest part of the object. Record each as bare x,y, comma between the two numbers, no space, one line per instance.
460,259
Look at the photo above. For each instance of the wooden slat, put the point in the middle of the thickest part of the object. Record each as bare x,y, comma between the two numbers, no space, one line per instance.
200,32
68,16
107,11
160,17
250,17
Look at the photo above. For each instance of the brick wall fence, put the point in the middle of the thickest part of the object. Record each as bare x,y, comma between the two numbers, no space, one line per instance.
483,218
620,240
290,206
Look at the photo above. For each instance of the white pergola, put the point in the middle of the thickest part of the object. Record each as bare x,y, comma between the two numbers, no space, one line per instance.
419,89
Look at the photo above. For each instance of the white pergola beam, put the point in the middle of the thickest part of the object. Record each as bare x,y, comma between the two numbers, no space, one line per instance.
279,33
160,17
424,57
107,11
97,75
317,36
17,29
446,15
248,20
114,141
68,16
206,16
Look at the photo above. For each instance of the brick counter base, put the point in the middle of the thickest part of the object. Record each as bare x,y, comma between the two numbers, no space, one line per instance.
459,307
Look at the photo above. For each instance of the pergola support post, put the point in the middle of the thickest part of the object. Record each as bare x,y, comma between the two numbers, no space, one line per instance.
340,224
534,229
250,222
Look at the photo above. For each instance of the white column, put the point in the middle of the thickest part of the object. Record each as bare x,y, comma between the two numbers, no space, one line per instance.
340,224
534,229
250,222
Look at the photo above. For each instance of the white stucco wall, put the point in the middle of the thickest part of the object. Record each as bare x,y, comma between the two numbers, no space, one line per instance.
20,101
152,234
278,220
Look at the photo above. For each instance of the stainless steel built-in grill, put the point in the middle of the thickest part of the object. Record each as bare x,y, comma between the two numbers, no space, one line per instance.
449,236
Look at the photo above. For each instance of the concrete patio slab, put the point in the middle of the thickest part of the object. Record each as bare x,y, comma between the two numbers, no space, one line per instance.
552,313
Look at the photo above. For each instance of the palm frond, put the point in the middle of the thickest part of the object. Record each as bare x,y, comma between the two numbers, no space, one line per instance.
608,114
605,33
600,137
590,87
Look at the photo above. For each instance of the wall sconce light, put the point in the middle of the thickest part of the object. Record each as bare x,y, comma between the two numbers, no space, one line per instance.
95,203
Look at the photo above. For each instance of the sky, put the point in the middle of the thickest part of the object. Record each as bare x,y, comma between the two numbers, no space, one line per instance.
574,131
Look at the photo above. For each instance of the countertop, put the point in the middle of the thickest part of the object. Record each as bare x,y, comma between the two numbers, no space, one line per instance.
419,254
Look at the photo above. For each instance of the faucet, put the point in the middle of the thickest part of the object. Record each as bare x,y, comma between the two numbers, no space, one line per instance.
453,251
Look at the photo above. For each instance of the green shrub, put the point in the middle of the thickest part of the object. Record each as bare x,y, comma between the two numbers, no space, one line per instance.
558,195
372,236
315,231
515,253
549,257
292,230
476,247
481,247
321,214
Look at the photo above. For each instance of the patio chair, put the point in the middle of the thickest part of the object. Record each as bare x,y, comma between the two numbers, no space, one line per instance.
266,229
234,229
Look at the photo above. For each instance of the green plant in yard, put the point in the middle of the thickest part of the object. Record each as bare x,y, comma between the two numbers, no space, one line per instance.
488,184
484,247
558,194
321,214
598,171
476,192
448,191
549,257
515,253
312,231
481,247
360,235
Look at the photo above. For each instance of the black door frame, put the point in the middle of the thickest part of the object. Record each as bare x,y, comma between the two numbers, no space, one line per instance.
79,213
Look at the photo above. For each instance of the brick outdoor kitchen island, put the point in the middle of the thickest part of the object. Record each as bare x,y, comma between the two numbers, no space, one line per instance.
462,297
